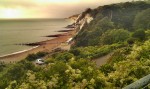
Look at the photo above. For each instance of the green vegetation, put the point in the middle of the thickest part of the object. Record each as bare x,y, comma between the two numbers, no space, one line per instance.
32,57
115,29
64,56
129,16
139,34
90,35
126,65
114,36
91,52
141,20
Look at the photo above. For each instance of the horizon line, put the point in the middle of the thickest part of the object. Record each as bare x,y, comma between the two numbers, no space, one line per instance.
29,18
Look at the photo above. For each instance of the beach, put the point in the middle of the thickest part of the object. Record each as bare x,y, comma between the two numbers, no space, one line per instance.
44,46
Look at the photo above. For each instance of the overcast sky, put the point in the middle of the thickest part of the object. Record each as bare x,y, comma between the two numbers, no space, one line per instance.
47,8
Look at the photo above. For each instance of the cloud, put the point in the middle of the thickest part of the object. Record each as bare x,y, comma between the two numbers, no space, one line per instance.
52,8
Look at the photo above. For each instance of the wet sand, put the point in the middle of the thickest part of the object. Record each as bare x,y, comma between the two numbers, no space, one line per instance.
45,46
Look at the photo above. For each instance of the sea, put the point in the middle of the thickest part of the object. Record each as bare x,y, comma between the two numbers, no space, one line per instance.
18,31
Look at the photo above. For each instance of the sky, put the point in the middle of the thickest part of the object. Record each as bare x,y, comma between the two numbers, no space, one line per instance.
18,9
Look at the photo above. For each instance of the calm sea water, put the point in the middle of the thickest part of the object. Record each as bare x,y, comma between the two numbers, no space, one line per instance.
23,31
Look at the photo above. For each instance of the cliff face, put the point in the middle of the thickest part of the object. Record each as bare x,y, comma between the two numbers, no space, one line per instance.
74,17
92,23
83,19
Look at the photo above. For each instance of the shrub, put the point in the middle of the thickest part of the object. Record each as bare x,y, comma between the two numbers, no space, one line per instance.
131,41
139,34
107,68
142,20
64,56
114,36
32,57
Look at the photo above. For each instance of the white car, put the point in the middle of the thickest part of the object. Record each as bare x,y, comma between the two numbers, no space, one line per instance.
39,61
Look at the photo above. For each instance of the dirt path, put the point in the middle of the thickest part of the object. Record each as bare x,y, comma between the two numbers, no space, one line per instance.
103,60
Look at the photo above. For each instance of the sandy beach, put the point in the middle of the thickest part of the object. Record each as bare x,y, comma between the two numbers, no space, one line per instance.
45,46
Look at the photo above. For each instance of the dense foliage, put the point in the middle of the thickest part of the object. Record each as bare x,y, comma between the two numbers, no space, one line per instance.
130,16
114,36
142,21
126,65
139,35
32,57
91,52
90,35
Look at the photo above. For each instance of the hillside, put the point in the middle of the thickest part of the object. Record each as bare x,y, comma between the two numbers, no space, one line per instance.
121,31
73,17
115,16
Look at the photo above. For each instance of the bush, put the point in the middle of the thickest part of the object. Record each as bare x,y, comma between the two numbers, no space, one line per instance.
114,36
92,52
32,57
107,68
15,72
131,41
41,54
142,20
139,34
119,55
147,32
64,56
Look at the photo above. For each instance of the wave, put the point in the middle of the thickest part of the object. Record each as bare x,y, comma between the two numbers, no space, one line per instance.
18,52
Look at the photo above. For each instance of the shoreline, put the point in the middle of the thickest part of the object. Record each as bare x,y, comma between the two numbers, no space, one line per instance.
43,46
6,55
62,33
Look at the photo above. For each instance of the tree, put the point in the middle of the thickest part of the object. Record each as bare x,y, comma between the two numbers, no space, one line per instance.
130,41
90,34
139,34
142,20
107,68
114,36
32,57
64,56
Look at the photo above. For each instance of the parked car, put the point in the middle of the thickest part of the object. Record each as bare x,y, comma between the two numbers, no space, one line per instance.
40,61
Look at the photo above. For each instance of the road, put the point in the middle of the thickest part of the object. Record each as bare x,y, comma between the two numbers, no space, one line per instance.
103,60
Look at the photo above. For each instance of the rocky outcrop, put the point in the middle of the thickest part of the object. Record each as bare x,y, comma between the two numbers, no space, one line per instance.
74,17
83,19
80,20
